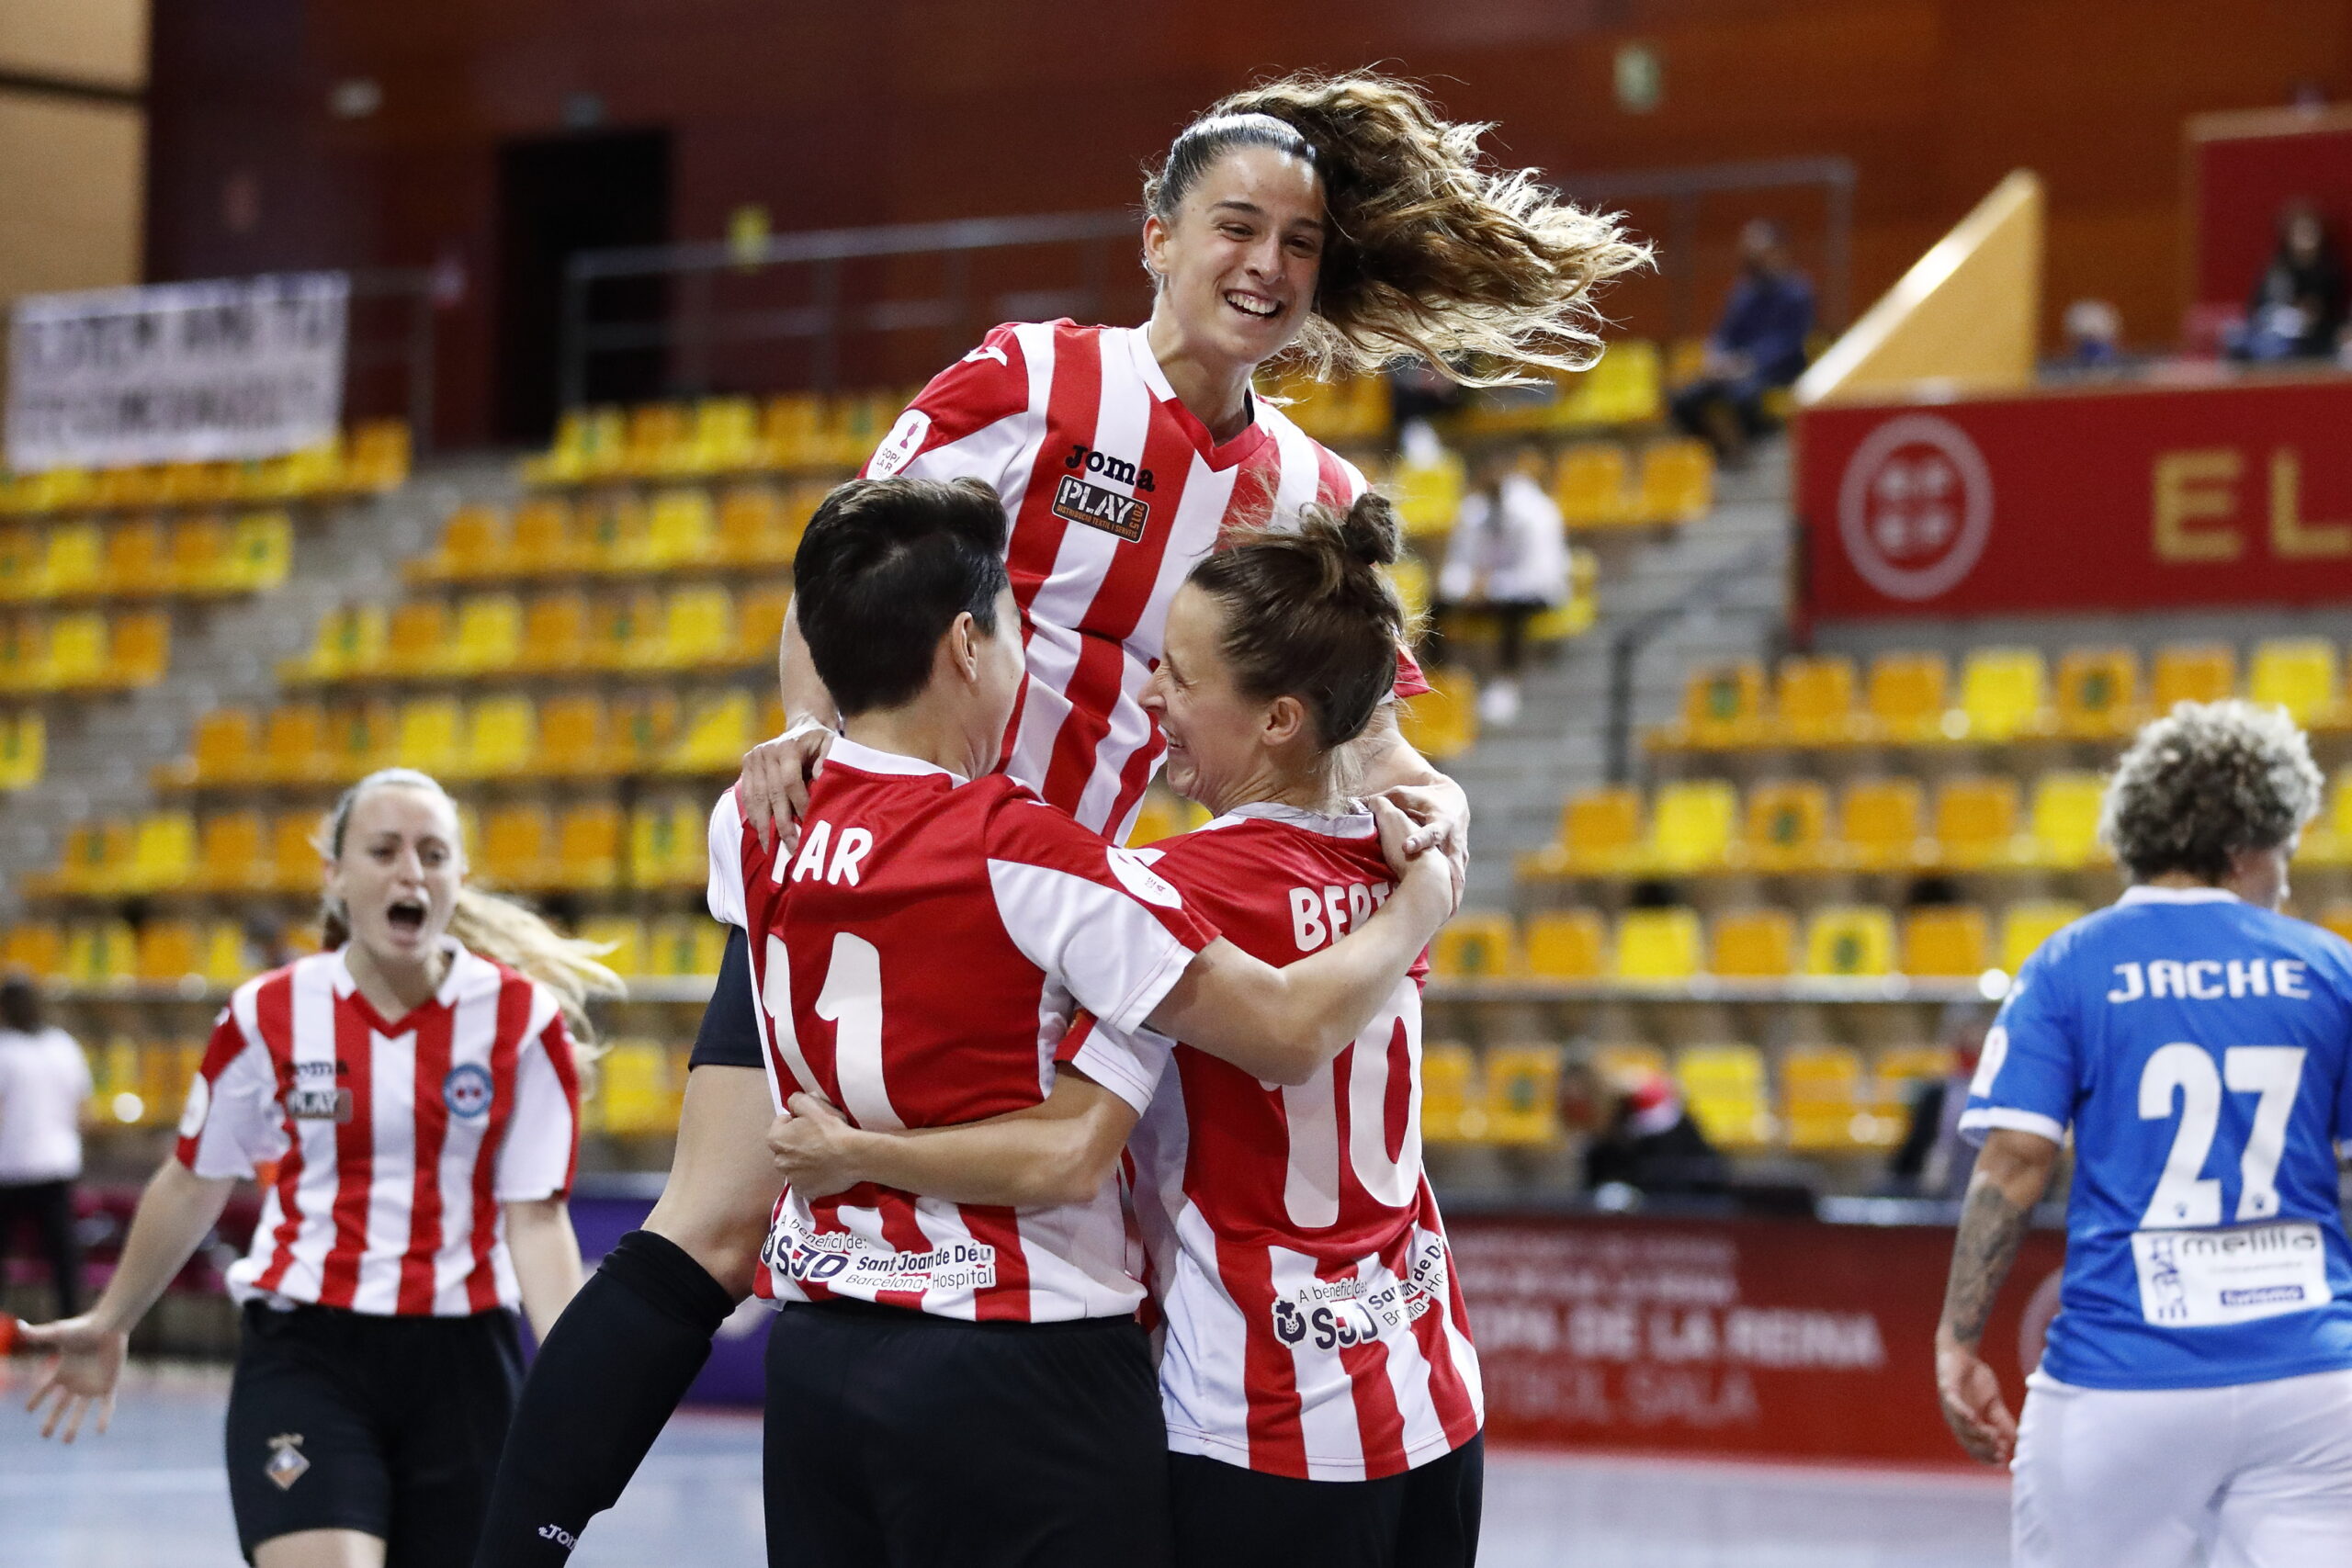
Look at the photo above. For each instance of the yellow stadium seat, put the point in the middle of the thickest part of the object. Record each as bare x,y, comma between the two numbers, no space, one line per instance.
1691,823
751,529
163,855
77,651
1724,1089
659,436
293,746
361,738
472,546
20,563
555,633
94,856
1600,829
2027,925
856,425
489,635
100,954
350,641
588,847
2202,672
233,853
1678,482
680,530
24,653
625,632
2065,820
138,562
379,458
623,938
669,843
1589,487
138,648
294,858
698,628
1947,942
1849,941
1723,705
73,560
571,736
1442,722
1906,699
1476,944
545,539
1814,705
516,844
24,748
1895,1078
759,626
1523,1094
792,430
223,958
1880,826
1565,944
2099,692
502,737
261,551
1976,822
226,748
201,556
1754,944
643,727
430,735
2003,693
2338,918
419,639
168,952
1658,944
2298,674
1452,1093
718,733
1429,496
1822,1102
726,434
34,947
683,946
1788,826
1157,816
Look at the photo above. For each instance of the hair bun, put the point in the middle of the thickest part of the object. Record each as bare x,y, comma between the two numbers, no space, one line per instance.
1369,530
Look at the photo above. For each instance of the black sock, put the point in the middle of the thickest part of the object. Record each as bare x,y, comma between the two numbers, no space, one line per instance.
612,1369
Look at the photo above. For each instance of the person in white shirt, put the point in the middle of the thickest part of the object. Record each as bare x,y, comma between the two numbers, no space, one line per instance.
1508,557
44,1078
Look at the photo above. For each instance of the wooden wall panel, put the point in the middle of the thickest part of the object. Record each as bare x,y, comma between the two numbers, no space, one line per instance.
904,110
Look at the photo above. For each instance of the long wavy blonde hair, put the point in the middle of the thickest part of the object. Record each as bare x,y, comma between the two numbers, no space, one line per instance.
497,927
1429,249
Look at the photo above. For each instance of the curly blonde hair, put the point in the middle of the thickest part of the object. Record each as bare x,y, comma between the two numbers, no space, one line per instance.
1428,251
2205,781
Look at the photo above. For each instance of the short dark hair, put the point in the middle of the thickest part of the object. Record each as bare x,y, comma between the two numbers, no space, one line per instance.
884,569
20,1004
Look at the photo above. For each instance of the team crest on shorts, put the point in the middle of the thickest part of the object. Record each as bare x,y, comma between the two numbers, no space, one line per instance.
286,1465
466,1091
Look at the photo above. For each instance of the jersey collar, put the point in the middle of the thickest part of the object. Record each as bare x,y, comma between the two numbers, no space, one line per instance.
1252,438
867,759
461,964
1355,824
2141,892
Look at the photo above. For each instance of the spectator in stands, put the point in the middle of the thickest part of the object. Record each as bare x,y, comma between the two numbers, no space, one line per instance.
2094,341
1638,1133
44,1078
1508,558
2298,305
1932,1161
1758,346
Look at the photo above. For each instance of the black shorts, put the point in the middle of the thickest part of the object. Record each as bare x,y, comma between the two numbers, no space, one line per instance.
894,1437
728,1036
389,1426
1228,1517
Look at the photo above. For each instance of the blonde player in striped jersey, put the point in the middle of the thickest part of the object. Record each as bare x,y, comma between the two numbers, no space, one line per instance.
1321,1395
1339,219
412,1097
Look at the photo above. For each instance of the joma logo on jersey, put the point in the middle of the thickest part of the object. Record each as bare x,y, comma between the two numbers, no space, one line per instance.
1085,459
1075,500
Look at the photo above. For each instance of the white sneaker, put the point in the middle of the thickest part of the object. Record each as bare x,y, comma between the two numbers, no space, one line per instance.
1498,703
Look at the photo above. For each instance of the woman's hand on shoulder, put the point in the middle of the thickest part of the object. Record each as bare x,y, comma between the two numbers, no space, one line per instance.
773,793
1414,855
1421,819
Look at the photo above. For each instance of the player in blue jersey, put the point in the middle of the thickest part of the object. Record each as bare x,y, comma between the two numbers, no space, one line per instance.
2194,1402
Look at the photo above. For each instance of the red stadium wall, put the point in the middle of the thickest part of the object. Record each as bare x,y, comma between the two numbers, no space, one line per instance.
905,110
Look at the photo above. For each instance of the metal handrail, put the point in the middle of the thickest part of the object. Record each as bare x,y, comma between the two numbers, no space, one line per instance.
1627,646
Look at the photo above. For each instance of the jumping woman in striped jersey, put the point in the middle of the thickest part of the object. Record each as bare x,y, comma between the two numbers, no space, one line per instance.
1340,219
413,1089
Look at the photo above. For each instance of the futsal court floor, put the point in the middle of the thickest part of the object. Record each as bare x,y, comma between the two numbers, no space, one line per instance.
150,1493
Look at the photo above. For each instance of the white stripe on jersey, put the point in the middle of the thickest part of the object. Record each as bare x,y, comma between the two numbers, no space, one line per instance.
314,1193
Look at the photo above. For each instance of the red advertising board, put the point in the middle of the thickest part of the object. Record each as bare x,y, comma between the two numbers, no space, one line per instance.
1763,1338
2146,498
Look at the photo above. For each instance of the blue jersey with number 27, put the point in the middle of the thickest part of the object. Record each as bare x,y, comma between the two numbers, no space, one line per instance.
2198,1047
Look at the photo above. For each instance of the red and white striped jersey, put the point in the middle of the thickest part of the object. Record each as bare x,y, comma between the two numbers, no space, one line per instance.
918,962
1313,1325
393,1143
1115,490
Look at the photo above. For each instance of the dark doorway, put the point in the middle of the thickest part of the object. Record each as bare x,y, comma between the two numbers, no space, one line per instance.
555,198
